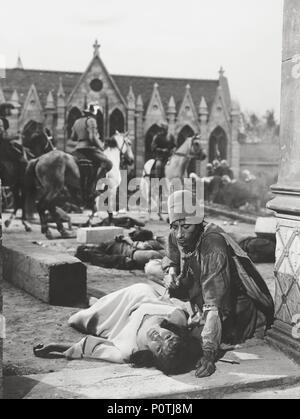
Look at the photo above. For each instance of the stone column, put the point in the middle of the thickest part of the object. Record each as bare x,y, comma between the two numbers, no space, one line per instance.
171,114
50,111
286,333
140,141
1,318
61,116
15,114
203,119
235,145
131,116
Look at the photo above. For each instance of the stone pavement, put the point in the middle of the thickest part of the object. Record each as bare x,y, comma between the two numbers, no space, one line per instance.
30,322
260,367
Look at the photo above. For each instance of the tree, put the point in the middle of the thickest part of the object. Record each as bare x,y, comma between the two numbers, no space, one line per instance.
270,119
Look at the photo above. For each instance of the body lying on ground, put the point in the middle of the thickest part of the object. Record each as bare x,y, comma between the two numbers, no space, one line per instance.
121,253
134,325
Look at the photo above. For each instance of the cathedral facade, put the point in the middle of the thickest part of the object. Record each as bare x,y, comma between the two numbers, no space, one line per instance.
136,104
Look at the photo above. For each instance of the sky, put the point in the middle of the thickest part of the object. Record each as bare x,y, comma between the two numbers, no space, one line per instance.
167,38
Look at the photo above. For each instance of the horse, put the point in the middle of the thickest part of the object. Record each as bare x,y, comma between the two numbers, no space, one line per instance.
14,158
54,173
176,168
12,176
119,150
37,139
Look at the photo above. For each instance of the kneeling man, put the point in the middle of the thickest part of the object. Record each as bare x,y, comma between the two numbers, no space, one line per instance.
206,267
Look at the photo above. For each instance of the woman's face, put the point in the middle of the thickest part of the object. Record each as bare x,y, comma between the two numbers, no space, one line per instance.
157,338
153,337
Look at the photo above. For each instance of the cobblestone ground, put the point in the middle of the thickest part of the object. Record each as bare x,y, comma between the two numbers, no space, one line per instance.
30,322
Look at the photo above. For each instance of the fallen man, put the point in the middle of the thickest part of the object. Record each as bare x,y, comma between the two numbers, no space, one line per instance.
134,325
122,253
206,267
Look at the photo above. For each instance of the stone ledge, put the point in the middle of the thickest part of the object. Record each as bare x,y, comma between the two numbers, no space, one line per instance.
281,338
54,278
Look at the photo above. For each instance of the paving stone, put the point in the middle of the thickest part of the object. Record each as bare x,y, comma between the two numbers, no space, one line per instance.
260,367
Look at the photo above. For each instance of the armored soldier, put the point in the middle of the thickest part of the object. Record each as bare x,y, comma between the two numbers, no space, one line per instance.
162,147
85,133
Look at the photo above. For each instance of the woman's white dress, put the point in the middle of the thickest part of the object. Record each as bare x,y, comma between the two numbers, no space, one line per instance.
113,322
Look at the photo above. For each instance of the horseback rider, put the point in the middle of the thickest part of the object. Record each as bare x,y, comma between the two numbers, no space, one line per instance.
89,144
10,148
162,147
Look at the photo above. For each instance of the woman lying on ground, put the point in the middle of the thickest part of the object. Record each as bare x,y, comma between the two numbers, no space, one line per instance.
134,325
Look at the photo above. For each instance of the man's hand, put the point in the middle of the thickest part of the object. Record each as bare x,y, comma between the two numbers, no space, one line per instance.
206,366
170,280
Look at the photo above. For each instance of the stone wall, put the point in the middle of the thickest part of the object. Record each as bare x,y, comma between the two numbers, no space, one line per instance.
260,158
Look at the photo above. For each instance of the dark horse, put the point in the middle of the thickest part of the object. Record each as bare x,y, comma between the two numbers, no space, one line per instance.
13,162
55,173
12,175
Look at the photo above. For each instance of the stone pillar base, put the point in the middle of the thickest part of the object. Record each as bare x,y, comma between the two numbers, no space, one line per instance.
281,337
285,333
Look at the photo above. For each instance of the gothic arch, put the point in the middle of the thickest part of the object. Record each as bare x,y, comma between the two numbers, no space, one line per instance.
218,144
116,122
183,134
73,115
152,131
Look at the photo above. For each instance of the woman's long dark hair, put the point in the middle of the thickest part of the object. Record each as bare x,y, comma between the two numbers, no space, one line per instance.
179,355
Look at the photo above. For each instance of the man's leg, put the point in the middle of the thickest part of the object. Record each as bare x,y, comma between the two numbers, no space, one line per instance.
104,164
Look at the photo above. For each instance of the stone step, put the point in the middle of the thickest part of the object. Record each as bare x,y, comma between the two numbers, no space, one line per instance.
97,235
52,277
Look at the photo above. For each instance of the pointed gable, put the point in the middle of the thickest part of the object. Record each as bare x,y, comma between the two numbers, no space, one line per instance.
220,114
155,111
32,108
187,113
50,104
103,89
131,99
172,106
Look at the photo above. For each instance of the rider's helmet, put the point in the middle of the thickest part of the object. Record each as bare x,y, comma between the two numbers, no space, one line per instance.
91,109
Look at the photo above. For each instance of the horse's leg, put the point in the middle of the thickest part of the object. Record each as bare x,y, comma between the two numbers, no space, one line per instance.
25,223
12,217
59,223
111,204
41,208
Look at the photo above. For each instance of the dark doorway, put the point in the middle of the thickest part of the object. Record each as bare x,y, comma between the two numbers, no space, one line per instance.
116,122
218,145
74,114
148,141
